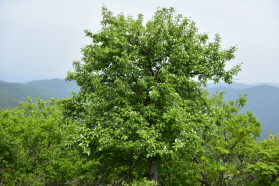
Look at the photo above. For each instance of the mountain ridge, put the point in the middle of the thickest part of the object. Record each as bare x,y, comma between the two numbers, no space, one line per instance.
236,85
263,101
12,93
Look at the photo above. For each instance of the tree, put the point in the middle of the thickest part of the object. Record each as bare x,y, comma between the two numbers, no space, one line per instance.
228,150
265,165
32,149
141,104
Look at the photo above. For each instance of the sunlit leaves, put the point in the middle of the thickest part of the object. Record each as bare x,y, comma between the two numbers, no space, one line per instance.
32,138
266,163
227,151
139,90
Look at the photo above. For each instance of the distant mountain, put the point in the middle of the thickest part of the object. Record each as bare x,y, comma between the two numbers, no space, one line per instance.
58,87
270,84
240,85
263,102
12,93
233,85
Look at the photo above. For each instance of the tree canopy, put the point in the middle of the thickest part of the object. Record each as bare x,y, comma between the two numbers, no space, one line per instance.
32,135
141,99
141,117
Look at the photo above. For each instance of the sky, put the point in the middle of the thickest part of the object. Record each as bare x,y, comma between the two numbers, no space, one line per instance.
40,39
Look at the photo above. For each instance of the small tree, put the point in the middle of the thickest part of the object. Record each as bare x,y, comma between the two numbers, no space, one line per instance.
265,166
141,101
227,151
31,139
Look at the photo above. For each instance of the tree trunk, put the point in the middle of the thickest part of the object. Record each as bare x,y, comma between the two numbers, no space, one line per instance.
153,170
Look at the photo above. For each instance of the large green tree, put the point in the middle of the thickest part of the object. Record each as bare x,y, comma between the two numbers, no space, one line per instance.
141,105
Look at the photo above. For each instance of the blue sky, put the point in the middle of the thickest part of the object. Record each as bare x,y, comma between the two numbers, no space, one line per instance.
40,39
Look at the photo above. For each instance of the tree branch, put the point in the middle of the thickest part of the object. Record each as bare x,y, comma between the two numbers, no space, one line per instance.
204,178
129,172
150,67
220,178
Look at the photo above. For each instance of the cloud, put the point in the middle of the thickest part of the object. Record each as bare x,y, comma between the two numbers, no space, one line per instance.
42,38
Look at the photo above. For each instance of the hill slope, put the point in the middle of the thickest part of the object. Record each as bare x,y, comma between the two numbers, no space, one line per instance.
263,101
12,93
58,87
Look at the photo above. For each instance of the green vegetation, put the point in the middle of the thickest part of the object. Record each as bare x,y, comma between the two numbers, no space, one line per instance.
32,138
12,93
141,116
263,107
139,98
263,101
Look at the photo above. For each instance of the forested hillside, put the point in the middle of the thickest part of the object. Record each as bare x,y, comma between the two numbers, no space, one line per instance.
263,101
58,87
12,93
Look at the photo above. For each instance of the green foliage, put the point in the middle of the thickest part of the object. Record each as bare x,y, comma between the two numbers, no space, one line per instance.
265,166
227,151
32,135
143,182
12,93
141,116
262,102
140,106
